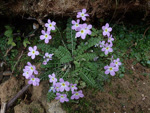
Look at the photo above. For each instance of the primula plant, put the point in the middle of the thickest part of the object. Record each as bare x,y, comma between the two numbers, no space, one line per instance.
78,57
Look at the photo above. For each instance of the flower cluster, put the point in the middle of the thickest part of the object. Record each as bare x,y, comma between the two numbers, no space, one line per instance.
46,34
107,47
81,29
113,67
62,87
28,72
47,58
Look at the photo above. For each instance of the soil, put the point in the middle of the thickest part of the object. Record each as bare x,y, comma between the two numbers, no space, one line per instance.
98,8
9,88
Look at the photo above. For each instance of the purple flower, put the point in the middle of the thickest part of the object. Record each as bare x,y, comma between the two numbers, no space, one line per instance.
57,87
26,74
52,88
107,48
110,39
34,81
31,68
33,52
62,97
82,32
110,44
50,25
111,69
117,62
95,59
82,14
102,43
52,78
44,62
77,95
75,24
64,85
87,28
48,56
106,30
73,87
45,36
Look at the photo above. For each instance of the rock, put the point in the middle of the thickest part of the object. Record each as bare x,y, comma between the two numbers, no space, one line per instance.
34,107
39,93
10,88
54,107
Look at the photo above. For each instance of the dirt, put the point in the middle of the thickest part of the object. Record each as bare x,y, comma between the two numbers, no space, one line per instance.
10,88
40,94
98,8
33,107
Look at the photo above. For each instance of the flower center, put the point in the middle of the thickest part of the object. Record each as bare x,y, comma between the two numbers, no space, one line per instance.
82,31
109,38
46,36
106,30
110,68
61,96
107,48
63,84
52,78
50,25
82,14
33,52
77,25
31,68
77,94
116,62
72,85
33,79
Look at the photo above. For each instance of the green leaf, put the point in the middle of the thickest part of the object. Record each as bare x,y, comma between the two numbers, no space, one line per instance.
13,44
25,42
53,31
10,40
18,38
8,33
8,27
